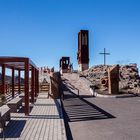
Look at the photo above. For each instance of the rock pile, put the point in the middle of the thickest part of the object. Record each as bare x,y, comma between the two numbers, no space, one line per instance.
128,75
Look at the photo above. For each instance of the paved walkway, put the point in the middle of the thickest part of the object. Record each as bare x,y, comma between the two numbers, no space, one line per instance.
45,122
99,118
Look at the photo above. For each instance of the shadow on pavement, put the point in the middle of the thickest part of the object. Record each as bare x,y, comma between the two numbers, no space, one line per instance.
76,108
79,109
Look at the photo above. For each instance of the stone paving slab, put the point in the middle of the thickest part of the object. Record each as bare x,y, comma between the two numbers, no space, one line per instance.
43,123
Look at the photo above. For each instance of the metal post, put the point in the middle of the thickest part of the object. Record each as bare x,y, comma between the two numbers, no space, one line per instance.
38,81
104,57
32,84
35,82
3,84
26,88
19,89
13,82
104,53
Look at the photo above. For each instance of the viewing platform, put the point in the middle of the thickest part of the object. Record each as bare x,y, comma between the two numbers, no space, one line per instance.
45,122
27,112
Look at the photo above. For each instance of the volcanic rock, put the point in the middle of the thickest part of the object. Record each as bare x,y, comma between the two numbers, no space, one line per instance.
129,78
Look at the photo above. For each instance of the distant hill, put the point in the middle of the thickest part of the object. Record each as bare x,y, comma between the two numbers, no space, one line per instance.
8,79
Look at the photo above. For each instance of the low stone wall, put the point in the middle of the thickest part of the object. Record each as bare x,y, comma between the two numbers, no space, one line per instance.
129,79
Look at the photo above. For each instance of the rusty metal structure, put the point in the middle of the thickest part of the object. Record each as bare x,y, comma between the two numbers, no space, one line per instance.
113,80
104,54
21,64
83,50
64,65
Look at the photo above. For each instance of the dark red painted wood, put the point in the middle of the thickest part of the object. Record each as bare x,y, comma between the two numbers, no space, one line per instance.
36,83
32,84
13,82
3,79
20,64
26,87
19,84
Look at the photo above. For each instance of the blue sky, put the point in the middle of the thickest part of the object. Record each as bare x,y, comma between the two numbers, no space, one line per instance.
46,30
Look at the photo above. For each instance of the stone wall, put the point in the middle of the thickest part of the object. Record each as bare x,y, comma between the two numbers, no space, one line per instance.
129,79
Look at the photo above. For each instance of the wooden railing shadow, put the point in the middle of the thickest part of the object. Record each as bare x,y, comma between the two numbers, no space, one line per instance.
36,116
21,110
78,109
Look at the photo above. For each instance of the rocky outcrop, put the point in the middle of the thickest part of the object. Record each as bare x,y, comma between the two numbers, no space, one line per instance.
129,78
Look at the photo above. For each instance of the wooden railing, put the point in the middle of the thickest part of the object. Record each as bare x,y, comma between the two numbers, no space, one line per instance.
8,88
44,87
8,91
16,88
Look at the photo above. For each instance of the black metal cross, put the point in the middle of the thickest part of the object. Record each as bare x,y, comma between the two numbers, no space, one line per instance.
104,53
